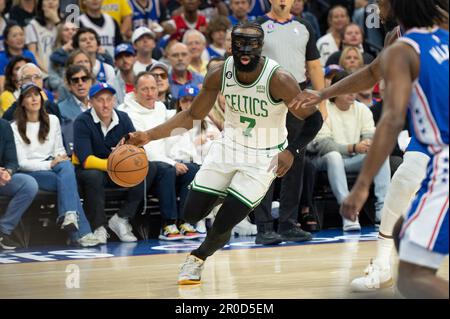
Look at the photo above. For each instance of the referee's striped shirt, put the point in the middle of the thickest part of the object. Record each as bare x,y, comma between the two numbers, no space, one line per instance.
291,44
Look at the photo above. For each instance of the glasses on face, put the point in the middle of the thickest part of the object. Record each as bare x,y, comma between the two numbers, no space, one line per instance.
162,76
76,80
31,78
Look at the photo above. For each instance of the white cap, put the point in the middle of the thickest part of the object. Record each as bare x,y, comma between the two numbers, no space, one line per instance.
139,32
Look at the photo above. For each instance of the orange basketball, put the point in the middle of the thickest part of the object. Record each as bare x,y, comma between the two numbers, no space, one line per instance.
127,165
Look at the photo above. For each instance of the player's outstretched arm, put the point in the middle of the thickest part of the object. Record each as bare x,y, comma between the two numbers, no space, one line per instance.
283,86
400,67
359,81
199,109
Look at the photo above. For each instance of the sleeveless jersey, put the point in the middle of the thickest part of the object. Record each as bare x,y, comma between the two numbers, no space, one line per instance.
142,16
43,38
106,33
253,119
429,102
182,26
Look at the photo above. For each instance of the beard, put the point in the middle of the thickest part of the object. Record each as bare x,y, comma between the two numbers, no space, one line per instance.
250,67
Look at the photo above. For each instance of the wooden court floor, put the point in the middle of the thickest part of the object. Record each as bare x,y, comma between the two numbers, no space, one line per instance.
292,272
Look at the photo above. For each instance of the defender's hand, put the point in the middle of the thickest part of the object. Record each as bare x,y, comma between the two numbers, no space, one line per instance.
306,99
138,139
354,202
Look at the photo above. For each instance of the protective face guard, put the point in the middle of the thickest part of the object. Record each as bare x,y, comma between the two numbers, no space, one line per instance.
249,45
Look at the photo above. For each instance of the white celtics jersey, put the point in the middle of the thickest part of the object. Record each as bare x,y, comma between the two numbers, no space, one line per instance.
252,118
107,32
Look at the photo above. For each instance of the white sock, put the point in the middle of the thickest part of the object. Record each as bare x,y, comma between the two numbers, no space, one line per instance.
384,250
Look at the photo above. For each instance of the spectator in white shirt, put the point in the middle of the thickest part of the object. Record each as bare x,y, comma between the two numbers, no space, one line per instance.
41,154
343,143
147,112
338,18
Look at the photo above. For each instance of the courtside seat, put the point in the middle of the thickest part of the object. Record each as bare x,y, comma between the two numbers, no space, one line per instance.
38,225
328,209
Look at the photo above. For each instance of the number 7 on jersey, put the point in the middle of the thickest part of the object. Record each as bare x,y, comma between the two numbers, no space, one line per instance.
251,124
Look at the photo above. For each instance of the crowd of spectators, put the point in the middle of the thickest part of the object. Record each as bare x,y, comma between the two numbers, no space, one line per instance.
76,76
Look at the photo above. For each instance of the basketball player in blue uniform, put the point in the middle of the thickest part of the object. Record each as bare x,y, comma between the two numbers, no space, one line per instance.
408,177
415,70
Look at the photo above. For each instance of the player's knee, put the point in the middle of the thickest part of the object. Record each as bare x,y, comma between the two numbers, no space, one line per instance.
406,180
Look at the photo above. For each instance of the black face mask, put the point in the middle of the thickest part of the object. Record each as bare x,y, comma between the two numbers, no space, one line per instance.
246,45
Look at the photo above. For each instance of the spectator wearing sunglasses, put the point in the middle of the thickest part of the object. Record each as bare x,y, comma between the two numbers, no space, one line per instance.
78,81
160,72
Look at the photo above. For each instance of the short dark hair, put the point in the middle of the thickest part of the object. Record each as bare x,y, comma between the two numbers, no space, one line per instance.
80,31
249,25
336,78
74,69
419,13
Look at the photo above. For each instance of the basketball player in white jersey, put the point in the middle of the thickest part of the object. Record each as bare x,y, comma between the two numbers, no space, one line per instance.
241,166
408,177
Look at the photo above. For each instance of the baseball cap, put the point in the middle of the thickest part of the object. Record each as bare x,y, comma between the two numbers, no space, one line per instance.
139,32
28,86
124,48
100,87
187,90
331,69
156,65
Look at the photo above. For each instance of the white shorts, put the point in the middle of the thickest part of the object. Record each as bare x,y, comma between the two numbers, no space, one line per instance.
230,168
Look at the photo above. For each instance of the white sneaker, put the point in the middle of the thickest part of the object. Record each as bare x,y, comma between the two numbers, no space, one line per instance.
101,234
191,271
375,278
70,222
348,225
89,240
245,228
201,228
122,228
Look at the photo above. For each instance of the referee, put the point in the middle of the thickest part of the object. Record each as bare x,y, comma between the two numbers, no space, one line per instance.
291,42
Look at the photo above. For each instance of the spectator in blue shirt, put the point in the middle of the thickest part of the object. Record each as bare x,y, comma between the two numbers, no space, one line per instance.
180,58
239,11
14,42
96,133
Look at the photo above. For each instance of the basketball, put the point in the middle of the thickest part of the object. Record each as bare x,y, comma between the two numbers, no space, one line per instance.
127,165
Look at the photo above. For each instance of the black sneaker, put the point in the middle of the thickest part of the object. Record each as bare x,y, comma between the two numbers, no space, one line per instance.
7,243
268,238
295,234
309,223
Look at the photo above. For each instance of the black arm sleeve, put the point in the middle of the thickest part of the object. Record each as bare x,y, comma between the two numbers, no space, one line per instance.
312,126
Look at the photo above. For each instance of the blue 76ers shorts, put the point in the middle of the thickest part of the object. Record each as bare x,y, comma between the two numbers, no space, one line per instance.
424,235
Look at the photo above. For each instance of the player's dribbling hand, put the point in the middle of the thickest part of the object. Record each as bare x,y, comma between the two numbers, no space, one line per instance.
281,163
305,99
137,139
354,202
